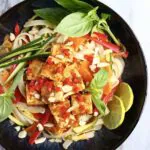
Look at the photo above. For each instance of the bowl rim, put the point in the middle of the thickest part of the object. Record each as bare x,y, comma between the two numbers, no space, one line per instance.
143,59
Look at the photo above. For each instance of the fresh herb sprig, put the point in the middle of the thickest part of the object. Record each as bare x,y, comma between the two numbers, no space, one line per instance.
78,24
52,15
75,5
83,19
6,106
98,82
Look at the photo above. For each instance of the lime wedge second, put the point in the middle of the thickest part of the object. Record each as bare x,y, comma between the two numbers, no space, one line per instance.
124,91
116,115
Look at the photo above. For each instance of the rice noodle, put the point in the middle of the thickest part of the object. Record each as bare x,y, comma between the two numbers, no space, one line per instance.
32,109
33,23
22,37
45,31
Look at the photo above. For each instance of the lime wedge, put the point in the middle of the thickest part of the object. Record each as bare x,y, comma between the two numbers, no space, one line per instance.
124,91
116,115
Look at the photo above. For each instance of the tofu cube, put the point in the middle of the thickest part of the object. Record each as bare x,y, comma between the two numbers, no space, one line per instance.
34,69
82,103
31,99
71,72
59,111
56,49
53,71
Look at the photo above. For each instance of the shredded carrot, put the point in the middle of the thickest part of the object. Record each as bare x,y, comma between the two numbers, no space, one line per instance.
77,41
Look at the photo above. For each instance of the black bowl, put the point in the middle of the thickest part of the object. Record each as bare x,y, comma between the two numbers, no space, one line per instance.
135,74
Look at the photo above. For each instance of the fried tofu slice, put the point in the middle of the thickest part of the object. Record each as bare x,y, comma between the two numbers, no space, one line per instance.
34,69
56,49
71,72
60,113
53,69
82,103
31,99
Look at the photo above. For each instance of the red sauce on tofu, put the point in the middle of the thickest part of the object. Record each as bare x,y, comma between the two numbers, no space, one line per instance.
65,52
76,89
49,61
76,80
63,112
36,85
79,98
32,85
82,108
89,58
59,69
57,89
75,60
65,115
68,81
49,85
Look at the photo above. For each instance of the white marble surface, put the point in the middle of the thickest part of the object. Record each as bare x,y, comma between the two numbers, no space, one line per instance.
136,13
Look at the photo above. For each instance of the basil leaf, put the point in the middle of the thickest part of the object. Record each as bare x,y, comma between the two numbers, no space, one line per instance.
5,106
105,16
100,105
5,99
99,80
93,14
75,25
75,5
52,15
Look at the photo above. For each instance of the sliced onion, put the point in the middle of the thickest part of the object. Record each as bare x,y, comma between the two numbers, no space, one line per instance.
45,31
99,122
107,51
32,109
33,23
19,116
22,37
61,38
22,87
46,135
89,134
97,127
118,66
67,143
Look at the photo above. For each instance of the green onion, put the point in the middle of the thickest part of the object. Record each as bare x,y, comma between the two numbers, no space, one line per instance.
29,55
18,53
17,61
17,69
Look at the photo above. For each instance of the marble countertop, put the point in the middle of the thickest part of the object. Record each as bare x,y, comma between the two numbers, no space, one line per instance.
136,13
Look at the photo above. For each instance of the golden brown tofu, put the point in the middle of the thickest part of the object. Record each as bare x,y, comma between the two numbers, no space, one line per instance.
82,103
56,49
52,71
71,72
34,69
59,111
31,99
